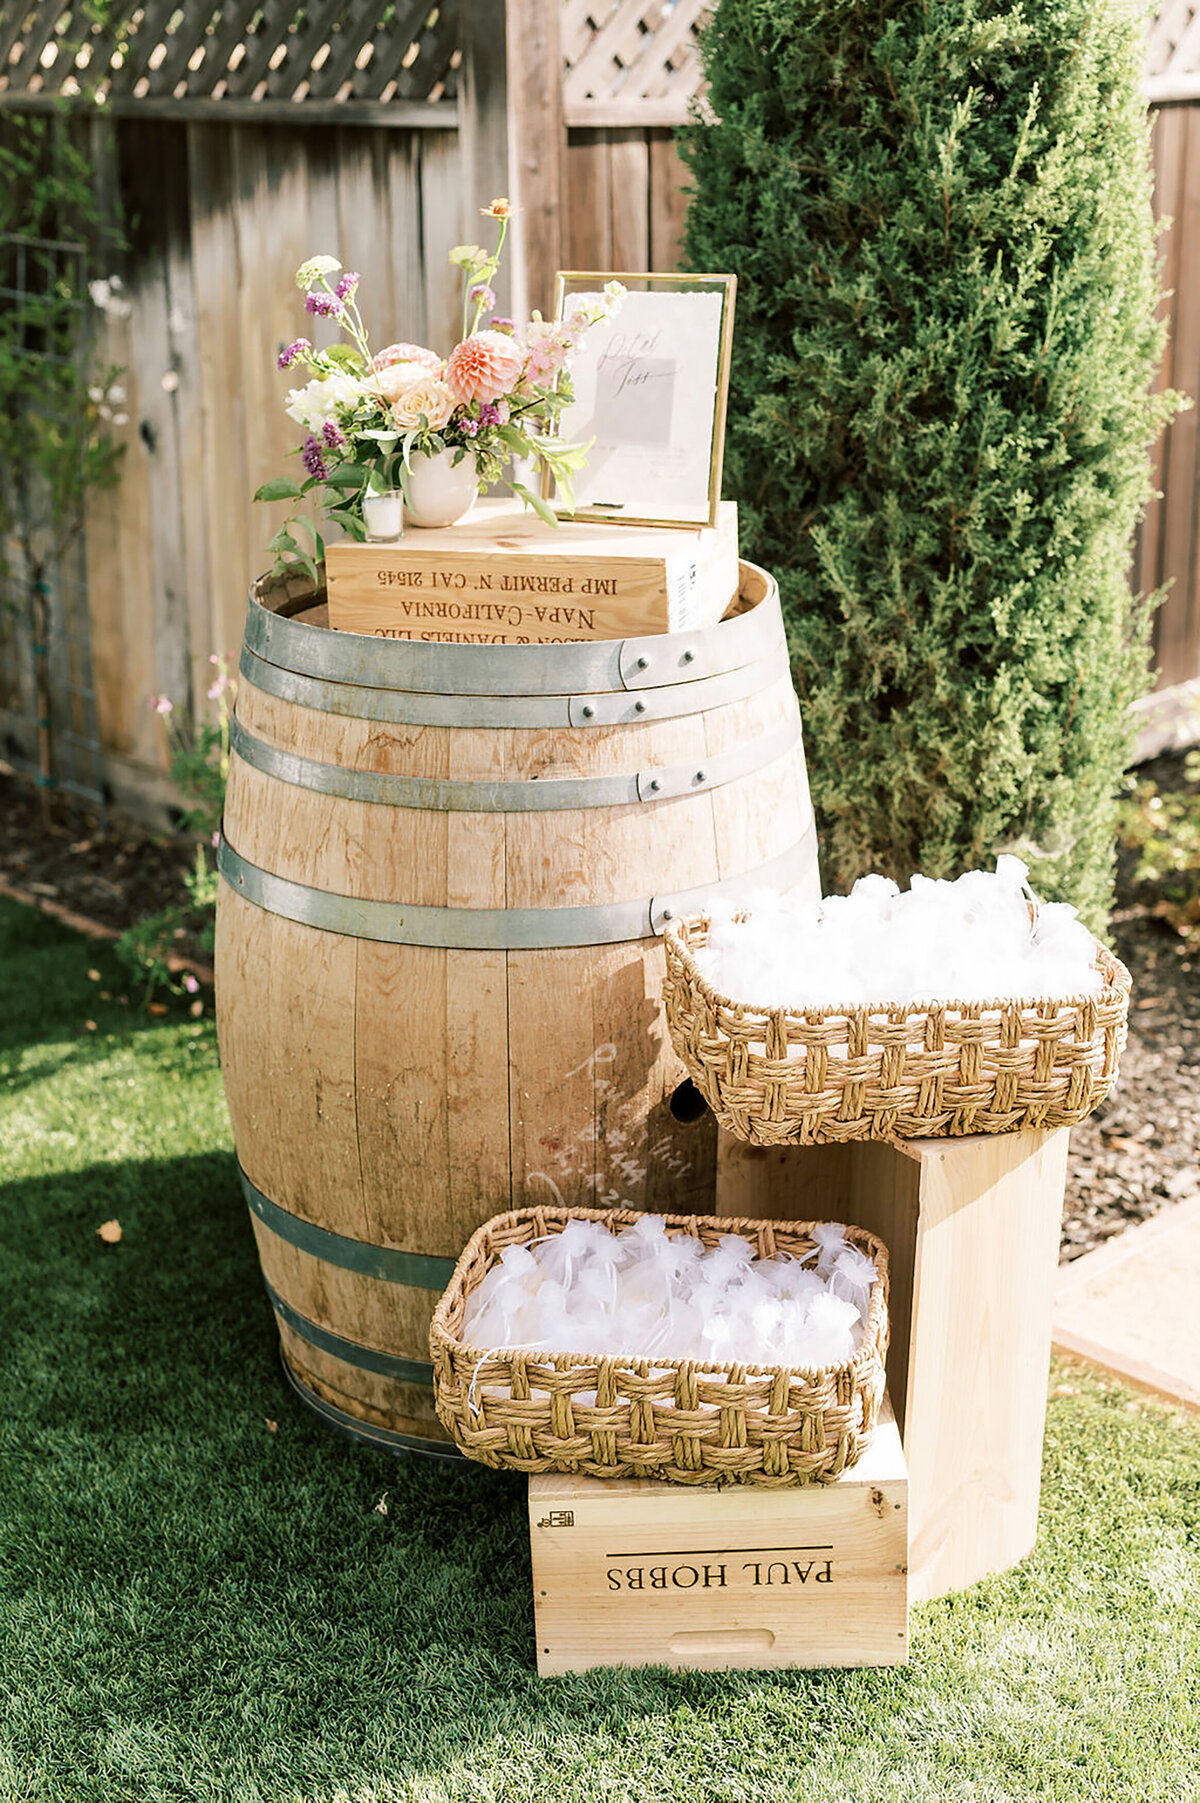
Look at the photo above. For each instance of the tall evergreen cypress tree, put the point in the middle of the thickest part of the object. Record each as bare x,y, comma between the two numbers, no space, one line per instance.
939,214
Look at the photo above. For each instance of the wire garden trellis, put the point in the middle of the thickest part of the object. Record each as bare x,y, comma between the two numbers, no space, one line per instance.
47,695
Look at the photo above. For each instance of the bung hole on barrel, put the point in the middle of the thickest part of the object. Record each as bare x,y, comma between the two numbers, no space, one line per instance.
687,1104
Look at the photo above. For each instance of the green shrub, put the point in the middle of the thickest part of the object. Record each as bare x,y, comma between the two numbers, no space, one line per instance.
939,214
1164,830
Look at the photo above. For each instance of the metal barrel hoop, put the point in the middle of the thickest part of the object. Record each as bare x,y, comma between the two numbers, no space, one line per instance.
532,795
496,929
405,707
605,666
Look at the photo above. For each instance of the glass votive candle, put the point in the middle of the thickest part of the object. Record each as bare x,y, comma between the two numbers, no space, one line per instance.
383,517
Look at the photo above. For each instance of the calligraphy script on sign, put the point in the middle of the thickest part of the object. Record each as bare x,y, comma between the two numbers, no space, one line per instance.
646,386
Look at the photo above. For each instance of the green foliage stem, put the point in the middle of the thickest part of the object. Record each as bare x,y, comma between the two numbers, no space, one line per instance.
940,415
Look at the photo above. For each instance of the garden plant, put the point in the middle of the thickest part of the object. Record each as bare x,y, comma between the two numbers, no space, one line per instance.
941,411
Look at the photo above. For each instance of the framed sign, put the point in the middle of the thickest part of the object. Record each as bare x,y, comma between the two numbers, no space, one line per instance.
651,387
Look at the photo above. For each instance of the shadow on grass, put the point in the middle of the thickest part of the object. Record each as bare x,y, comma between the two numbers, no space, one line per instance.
47,997
191,1554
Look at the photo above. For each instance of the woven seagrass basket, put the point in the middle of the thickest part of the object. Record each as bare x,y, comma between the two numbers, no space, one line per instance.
777,1076
663,1418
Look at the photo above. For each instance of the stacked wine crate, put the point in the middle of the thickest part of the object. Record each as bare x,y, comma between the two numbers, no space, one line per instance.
503,576
639,1573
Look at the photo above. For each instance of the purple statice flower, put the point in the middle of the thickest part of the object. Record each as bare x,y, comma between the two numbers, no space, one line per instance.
347,287
468,427
296,349
502,325
325,306
483,296
333,435
489,414
314,463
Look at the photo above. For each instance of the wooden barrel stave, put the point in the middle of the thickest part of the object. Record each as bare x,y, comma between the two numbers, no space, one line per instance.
372,1400
556,857
398,1094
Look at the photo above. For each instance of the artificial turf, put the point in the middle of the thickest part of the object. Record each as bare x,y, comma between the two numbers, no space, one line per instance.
196,1607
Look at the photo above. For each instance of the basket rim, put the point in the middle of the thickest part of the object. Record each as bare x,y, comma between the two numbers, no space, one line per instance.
1117,992
867,1352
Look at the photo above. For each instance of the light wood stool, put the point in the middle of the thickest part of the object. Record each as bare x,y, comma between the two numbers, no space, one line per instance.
972,1228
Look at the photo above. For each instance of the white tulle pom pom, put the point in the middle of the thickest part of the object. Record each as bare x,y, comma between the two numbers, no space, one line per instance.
651,1293
982,937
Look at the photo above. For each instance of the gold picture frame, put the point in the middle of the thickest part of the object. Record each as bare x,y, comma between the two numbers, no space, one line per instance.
588,360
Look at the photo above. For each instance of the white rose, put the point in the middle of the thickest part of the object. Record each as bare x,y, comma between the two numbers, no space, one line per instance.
430,397
311,406
392,381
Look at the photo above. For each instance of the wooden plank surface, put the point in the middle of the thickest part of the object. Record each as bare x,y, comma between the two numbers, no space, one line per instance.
1177,627
270,201
668,201
638,1573
589,207
971,1226
222,373
538,148
503,576
983,1296
441,228
629,196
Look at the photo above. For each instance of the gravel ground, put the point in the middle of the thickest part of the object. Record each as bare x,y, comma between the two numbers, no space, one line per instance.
1140,1150
1138,1153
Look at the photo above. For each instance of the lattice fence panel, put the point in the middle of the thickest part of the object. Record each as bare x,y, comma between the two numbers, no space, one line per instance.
334,52
634,62
1174,39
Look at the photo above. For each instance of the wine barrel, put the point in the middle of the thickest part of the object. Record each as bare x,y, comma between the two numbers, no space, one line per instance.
444,869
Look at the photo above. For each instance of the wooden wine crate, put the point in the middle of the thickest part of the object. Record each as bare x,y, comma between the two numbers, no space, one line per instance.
972,1229
630,1572
503,576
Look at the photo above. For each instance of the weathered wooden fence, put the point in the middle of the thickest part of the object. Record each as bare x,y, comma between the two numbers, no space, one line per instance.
1169,542
234,143
238,139
224,214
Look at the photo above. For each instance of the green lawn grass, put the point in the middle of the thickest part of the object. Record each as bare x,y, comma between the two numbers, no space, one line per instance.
193,1607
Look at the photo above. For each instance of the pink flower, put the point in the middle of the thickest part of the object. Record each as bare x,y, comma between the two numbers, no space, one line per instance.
392,381
407,353
190,984
484,366
549,346
162,704
426,398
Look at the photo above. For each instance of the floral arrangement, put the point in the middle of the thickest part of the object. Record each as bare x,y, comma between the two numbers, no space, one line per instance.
366,415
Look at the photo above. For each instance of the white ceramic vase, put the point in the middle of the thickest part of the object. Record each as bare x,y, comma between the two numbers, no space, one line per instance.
438,491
